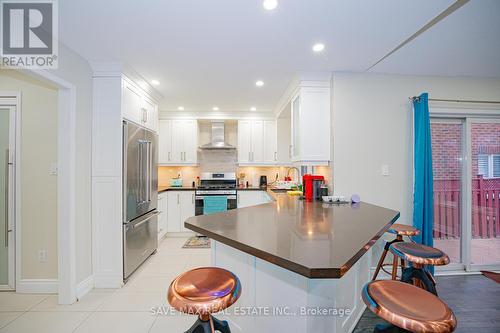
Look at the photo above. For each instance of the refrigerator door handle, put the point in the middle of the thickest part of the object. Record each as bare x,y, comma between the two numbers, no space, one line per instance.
145,220
140,174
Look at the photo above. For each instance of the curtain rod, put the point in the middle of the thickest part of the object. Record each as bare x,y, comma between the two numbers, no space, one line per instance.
455,100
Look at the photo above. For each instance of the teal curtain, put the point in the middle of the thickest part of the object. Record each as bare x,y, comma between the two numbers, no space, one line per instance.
423,192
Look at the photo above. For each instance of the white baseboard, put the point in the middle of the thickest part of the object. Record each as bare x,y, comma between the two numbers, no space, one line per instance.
84,287
108,282
38,286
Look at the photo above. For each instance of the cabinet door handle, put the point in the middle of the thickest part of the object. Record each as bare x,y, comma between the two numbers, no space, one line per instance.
249,158
275,155
290,151
192,198
169,156
238,197
178,199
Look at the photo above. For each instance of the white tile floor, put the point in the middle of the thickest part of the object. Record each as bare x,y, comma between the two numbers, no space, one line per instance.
124,310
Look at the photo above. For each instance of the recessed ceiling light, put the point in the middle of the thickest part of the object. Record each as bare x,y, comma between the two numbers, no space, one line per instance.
180,108
155,82
270,4
253,108
215,108
259,83
318,47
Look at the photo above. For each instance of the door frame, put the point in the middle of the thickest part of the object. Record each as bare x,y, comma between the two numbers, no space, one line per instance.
10,100
472,112
66,189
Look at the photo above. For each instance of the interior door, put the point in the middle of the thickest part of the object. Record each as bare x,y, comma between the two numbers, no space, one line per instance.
7,146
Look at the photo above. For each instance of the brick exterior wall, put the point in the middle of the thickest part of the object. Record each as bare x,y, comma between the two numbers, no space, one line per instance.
485,140
446,147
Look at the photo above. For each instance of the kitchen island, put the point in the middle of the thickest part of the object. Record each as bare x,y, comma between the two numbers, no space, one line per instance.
302,264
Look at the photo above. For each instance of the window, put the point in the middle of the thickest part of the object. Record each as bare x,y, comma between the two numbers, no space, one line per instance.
488,166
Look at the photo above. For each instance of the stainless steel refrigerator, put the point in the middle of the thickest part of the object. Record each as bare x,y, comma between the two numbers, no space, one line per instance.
140,196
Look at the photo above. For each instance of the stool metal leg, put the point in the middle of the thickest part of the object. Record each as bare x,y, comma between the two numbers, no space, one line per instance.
394,267
200,326
379,265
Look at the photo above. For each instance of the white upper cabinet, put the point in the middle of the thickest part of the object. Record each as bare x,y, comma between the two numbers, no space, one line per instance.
165,141
150,114
310,137
132,102
257,143
138,107
244,141
270,141
178,142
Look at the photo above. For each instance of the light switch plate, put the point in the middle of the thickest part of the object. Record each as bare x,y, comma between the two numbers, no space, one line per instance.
385,170
53,169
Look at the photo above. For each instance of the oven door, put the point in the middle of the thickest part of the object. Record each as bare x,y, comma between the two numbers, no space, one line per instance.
231,202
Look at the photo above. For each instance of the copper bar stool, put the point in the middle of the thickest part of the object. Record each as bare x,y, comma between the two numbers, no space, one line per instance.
203,291
399,230
418,256
407,308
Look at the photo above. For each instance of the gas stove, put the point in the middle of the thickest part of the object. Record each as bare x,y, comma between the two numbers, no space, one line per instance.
216,184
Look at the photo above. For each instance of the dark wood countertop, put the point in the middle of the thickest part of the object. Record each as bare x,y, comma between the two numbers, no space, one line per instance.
171,188
314,239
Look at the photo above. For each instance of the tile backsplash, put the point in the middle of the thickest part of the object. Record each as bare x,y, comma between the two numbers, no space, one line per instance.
226,161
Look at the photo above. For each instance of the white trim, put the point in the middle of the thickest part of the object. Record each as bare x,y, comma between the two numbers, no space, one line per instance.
216,115
10,100
84,287
38,286
66,188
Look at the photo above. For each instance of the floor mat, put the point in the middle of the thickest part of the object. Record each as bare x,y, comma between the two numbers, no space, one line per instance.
197,243
492,275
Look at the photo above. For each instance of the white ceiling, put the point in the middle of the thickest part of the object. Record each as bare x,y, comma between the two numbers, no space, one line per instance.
208,53
466,43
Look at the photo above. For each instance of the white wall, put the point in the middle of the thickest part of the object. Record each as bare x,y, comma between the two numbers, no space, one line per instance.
372,126
76,70
38,188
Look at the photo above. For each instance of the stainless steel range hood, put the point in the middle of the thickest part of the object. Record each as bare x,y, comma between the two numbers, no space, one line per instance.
218,141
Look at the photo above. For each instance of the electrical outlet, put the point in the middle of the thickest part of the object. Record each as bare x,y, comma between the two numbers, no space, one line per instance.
42,256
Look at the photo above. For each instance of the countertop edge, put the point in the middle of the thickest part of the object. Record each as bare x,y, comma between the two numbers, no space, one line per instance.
311,273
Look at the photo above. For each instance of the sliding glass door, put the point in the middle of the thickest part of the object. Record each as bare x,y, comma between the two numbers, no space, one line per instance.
485,191
448,171
466,169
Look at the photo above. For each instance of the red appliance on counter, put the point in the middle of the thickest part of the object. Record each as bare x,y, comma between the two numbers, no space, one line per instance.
311,186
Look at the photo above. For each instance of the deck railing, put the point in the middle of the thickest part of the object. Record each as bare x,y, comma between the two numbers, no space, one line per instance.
485,208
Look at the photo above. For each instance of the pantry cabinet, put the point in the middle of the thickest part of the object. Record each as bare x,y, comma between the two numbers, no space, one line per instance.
257,143
138,107
178,142
180,206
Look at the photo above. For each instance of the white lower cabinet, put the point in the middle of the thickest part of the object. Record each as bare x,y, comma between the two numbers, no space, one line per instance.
180,206
252,198
162,215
